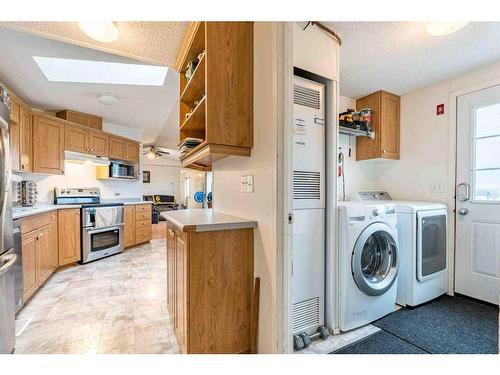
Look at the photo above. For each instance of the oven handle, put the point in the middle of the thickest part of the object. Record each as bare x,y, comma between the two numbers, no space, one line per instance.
92,230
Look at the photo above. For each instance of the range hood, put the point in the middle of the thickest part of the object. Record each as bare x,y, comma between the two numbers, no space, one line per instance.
77,157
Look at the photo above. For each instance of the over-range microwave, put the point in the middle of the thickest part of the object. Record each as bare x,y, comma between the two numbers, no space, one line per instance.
121,170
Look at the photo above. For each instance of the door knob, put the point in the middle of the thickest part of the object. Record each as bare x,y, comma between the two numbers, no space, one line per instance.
463,211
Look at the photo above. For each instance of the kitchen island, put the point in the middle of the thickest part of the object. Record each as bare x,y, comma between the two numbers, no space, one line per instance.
210,280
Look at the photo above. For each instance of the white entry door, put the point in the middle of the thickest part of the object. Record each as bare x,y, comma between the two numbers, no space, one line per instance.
477,257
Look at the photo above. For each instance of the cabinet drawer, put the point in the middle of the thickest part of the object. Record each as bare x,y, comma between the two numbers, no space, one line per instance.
143,215
139,224
142,234
34,222
143,208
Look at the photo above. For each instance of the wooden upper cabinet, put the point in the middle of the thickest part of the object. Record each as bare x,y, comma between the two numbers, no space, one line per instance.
123,150
69,236
79,139
84,119
385,123
75,139
48,145
26,141
98,143
15,135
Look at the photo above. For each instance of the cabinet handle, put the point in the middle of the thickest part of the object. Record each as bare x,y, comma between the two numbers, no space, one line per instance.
22,166
171,232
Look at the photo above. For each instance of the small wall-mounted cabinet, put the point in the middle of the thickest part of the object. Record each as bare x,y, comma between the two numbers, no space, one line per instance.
123,150
48,145
385,123
84,119
79,139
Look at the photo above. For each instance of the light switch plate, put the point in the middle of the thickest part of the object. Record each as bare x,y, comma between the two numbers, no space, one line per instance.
246,184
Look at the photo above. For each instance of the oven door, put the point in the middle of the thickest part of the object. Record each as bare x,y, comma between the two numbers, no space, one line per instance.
101,242
431,243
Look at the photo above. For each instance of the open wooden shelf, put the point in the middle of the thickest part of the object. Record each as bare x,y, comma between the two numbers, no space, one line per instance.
195,87
222,82
194,125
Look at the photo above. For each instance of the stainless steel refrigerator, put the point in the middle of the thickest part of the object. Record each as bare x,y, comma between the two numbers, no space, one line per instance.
7,254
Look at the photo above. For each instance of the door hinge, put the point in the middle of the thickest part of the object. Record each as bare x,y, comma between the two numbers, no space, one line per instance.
290,218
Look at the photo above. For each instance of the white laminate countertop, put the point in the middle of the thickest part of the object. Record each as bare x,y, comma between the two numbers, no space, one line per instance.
204,220
19,212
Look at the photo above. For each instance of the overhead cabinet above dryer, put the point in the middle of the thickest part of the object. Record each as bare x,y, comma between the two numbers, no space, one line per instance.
385,124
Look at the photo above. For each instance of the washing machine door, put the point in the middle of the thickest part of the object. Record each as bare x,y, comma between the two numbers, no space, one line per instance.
375,259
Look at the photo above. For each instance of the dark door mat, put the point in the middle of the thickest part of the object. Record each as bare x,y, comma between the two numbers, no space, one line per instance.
380,343
447,325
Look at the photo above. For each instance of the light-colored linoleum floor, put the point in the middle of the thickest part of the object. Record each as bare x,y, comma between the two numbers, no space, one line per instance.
113,305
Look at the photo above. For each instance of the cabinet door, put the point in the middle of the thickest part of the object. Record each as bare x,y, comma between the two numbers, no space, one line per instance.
75,139
171,272
98,143
390,125
15,144
367,148
116,148
131,151
54,241
129,225
14,110
181,290
69,236
44,255
26,141
30,277
48,145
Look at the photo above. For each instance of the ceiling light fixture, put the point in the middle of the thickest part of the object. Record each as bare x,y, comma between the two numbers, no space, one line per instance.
107,99
444,28
102,31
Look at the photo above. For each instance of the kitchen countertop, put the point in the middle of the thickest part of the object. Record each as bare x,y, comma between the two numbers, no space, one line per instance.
203,220
19,212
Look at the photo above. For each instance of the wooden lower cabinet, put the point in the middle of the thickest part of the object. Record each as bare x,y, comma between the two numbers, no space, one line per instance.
137,224
69,236
39,251
210,283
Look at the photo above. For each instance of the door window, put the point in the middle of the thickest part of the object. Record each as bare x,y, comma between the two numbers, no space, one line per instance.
105,240
377,257
486,153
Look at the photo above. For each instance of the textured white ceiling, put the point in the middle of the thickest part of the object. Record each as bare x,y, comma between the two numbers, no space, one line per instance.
156,42
141,107
401,57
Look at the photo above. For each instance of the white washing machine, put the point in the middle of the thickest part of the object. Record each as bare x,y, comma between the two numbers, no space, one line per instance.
368,262
422,235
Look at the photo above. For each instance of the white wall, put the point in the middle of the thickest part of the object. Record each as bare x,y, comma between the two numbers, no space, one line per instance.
165,177
261,205
425,145
358,175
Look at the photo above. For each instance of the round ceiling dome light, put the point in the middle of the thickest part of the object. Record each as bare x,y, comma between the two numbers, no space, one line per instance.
102,31
444,28
107,99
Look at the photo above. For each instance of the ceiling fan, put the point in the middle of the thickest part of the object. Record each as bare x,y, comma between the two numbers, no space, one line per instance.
153,151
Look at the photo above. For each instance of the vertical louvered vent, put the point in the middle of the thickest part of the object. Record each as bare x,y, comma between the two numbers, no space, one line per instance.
306,97
306,185
305,314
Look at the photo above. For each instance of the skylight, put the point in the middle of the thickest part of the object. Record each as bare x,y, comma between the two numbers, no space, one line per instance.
87,71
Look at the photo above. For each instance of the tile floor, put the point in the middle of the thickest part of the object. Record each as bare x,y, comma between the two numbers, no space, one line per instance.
114,305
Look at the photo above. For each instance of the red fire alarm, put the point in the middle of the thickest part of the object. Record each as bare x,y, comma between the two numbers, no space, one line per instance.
440,109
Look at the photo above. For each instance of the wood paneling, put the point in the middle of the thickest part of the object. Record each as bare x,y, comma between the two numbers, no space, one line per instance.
129,225
385,123
85,119
210,283
26,141
48,145
69,236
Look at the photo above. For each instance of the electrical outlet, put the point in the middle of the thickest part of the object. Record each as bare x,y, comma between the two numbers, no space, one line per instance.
437,187
246,184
